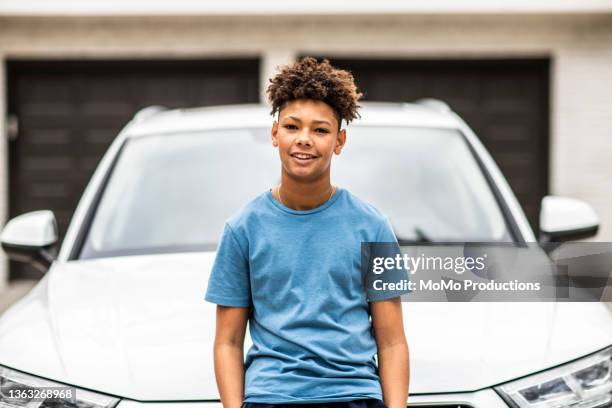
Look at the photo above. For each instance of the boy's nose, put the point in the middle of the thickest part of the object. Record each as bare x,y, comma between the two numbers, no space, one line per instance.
304,139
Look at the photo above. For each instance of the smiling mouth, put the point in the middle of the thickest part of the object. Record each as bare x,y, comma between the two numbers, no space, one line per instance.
303,156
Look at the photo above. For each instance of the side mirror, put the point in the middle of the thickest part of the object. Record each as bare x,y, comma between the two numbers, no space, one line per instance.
31,238
566,219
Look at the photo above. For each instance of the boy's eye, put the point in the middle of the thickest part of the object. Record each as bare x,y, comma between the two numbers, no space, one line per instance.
290,127
322,130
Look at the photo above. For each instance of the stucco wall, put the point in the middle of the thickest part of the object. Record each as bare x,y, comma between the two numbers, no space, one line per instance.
580,48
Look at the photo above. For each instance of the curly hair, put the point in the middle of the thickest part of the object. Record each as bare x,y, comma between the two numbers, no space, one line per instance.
309,79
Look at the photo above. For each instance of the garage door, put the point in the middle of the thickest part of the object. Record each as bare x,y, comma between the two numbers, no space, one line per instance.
69,112
504,101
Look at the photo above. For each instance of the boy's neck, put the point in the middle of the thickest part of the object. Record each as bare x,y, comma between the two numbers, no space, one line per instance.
304,196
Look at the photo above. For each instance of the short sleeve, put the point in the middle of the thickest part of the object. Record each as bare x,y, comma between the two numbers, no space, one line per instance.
385,233
229,283
393,282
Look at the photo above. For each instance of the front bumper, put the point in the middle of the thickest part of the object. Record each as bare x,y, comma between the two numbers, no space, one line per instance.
486,398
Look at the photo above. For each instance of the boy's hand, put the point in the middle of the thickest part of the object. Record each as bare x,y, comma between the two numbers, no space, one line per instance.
393,355
229,354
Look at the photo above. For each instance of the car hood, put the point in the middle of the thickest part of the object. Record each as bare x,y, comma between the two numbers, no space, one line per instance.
139,327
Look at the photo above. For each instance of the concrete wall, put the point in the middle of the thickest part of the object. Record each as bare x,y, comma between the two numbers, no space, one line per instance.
580,48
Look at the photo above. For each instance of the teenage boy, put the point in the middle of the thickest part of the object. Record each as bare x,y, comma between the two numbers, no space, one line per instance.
289,263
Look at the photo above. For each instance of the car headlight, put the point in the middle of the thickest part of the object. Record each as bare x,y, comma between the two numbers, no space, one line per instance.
584,383
19,390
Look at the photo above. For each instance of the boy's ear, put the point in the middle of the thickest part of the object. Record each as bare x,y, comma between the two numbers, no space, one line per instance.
274,132
340,141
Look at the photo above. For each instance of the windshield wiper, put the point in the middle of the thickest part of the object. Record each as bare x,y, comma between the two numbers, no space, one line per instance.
420,237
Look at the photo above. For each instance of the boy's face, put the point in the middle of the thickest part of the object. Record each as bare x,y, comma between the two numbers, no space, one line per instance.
307,136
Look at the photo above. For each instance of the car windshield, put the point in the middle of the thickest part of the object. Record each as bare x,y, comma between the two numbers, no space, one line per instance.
173,192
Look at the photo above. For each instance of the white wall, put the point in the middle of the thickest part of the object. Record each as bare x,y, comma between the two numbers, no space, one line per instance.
580,48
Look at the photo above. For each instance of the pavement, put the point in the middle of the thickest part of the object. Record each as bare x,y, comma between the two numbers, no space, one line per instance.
14,291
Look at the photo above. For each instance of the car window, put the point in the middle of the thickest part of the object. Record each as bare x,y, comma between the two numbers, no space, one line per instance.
173,192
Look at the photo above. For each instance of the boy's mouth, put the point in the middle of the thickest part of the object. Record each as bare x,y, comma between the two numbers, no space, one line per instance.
303,157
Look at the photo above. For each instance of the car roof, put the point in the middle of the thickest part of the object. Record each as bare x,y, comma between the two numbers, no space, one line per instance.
155,120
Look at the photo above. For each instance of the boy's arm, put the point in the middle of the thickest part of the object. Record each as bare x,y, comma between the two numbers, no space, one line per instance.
229,354
393,355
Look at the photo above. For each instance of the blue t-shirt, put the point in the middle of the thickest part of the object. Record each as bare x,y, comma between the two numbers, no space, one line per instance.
300,272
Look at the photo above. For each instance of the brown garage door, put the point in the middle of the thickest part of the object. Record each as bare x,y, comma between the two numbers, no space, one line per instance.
69,112
504,101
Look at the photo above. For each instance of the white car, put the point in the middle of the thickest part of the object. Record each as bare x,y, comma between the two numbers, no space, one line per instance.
120,312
